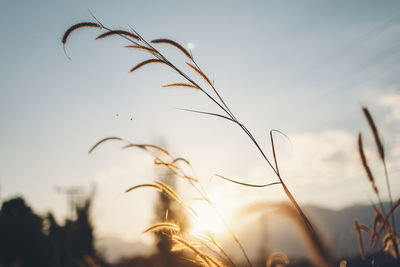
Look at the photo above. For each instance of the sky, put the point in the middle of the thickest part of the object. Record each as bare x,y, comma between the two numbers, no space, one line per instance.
302,67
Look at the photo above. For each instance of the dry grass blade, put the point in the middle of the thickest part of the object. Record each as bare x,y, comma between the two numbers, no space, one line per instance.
158,161
393,209
134,145
141,47
209,240
391,244
180,247
193,249
387,242
375,133
163,226
323,255
281,133
157,148
200,73
169,190
104,140
273,152
195,261
181,159
146,62
117,32
365,164
78,26
181,85
375,235
146,146
357,229
211,114
172,194
173,43
245,184
383,220
190,178
394,249
277,259
213,260
273,147
144,185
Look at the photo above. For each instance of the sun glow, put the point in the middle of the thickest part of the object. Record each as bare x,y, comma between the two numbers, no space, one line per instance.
208,220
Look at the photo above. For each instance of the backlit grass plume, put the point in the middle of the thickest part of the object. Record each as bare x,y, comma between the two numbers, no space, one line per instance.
383,230
207,88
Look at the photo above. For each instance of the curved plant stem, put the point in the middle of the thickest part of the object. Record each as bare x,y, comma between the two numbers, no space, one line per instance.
221,104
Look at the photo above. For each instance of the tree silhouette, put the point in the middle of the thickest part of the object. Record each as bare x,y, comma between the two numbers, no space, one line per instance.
27,240
22,241
74,243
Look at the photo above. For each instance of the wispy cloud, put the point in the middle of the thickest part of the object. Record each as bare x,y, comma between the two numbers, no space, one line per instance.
391,101
318,156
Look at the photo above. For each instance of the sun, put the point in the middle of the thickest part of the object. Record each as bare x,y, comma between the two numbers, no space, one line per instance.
208,220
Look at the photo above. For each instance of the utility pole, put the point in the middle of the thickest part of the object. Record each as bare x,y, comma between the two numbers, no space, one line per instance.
72,193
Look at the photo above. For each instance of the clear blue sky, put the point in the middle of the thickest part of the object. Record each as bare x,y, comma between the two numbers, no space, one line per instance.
304,67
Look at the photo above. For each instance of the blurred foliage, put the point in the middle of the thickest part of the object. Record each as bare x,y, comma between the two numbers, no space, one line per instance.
26,239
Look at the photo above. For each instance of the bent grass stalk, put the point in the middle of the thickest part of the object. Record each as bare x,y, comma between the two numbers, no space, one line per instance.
138,40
